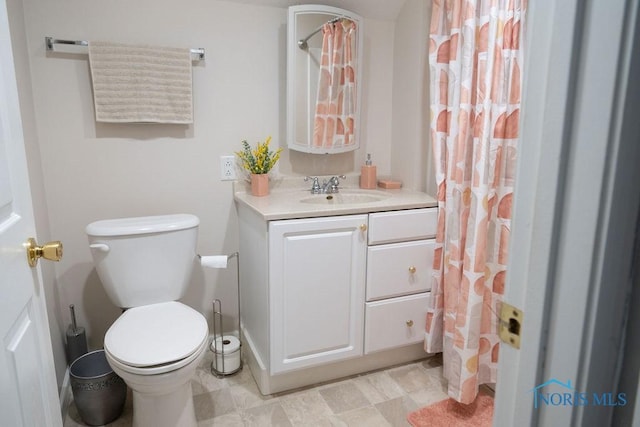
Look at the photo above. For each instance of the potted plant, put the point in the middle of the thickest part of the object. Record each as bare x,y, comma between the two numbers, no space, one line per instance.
258,162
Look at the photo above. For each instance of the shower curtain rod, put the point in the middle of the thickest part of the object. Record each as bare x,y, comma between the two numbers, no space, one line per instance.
50,41
302,43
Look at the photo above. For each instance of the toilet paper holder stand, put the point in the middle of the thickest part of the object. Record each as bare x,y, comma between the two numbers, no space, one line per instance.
218,333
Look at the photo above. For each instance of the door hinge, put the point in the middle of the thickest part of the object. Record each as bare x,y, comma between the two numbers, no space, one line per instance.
510,325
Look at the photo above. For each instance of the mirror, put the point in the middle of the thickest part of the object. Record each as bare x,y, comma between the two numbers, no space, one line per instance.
323,98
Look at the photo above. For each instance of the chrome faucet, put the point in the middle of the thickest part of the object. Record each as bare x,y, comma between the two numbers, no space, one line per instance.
328,187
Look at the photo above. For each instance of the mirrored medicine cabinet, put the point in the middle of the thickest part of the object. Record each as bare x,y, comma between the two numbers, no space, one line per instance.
323,98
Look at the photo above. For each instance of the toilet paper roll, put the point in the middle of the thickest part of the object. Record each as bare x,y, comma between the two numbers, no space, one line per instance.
217,261
231,356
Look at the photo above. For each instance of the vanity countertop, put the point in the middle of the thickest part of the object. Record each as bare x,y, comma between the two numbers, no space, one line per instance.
289,199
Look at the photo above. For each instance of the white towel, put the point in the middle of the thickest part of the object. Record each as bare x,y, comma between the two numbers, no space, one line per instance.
146,84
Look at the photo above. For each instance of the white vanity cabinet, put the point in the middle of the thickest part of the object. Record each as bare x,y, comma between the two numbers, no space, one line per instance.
330,296
316,289
399,263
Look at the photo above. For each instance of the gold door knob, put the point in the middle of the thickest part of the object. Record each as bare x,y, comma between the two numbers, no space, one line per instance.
363,227
50,250
412,269
409,323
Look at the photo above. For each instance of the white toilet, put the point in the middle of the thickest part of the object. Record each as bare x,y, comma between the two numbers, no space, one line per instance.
156,344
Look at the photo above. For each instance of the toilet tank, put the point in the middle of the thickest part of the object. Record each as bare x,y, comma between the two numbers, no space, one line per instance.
144,260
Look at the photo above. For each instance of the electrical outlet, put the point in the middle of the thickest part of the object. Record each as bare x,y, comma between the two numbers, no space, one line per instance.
227,168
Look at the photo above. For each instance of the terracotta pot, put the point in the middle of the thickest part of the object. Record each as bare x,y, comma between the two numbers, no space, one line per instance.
259,184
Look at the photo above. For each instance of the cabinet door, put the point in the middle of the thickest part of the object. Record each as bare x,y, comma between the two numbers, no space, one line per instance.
317,285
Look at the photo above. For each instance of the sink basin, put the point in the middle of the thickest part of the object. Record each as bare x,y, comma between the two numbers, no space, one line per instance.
346,198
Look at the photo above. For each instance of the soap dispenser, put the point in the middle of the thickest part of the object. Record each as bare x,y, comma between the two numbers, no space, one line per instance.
368,179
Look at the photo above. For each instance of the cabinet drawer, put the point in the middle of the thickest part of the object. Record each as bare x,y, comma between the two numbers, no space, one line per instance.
399,269
397,226
395,322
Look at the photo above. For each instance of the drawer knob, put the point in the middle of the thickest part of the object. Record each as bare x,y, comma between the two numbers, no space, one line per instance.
363,227
412,269
409,323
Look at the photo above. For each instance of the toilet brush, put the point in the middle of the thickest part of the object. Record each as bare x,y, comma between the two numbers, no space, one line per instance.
76,339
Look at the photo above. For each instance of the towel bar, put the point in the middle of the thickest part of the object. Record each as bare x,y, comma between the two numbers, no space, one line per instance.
50,41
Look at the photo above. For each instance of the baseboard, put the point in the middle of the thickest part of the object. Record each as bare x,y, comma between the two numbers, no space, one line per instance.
66,395
270,384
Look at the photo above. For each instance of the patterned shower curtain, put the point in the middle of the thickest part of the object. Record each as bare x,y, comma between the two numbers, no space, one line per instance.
475,57
334,122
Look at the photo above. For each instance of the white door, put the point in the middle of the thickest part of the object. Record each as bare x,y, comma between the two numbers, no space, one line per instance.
576,207
28,392
316,285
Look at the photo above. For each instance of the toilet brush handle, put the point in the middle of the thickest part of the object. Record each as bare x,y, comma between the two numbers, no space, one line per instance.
73,319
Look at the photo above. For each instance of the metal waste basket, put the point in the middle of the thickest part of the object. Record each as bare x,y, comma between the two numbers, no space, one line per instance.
99,394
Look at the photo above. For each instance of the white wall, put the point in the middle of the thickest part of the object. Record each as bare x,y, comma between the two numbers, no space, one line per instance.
410,151
91,171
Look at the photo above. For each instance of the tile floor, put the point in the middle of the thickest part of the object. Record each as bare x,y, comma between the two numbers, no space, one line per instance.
380,398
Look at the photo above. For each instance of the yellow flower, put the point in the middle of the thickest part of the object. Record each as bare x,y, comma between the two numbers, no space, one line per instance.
259,160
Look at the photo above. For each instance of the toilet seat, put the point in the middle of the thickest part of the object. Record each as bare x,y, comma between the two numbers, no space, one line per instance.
158,369
156,338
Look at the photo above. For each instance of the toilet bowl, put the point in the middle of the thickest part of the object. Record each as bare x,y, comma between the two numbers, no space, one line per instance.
155,349
157,343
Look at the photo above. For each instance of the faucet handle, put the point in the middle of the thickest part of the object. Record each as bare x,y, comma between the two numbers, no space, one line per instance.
315,187
314,178
334,182
336,179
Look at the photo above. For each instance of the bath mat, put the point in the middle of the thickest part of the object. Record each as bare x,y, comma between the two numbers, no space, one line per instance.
449,413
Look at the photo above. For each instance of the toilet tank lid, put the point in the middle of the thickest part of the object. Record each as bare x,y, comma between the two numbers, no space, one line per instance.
142,225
